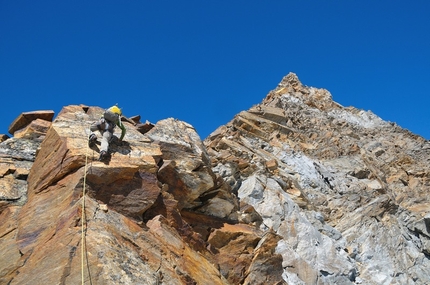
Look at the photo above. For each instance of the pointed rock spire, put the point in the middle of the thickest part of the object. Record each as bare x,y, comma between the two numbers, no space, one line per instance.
292,80
291,90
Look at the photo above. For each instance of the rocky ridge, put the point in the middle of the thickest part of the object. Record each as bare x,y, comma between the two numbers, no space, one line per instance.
346,191
296,190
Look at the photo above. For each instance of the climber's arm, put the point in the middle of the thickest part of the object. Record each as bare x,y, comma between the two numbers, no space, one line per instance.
121,126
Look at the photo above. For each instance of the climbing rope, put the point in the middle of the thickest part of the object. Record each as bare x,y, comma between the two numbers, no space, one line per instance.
83,219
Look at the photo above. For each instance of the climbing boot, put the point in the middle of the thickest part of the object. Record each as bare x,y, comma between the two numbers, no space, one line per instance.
103,155
92,140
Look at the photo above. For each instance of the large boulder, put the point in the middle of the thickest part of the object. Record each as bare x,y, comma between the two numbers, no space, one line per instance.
26,118
186,170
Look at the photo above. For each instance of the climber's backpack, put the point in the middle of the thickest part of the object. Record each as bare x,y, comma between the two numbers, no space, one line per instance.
112,114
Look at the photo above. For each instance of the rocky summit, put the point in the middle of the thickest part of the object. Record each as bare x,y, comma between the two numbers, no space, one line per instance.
296,190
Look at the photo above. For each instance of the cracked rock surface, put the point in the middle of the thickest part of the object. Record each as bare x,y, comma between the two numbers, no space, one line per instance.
346,191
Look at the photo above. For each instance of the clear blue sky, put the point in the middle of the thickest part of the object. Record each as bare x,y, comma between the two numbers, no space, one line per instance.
205,61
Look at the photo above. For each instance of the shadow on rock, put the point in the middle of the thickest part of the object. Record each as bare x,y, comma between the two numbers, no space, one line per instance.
117,146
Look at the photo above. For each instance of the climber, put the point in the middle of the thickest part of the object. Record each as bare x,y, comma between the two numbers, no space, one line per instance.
106,126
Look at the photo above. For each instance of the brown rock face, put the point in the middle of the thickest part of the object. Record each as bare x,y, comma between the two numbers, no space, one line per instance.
3,137
35,129
245,256
134,228
296,190
27,118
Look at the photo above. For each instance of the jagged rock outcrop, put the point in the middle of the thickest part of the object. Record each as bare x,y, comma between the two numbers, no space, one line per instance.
18,153
16,159
346,191
3,137
31,124
151,211
296,190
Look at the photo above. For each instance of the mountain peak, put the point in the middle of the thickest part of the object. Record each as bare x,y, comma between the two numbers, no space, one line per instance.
290,88
291,79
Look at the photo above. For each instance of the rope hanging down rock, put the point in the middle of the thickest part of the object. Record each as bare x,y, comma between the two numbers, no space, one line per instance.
83,219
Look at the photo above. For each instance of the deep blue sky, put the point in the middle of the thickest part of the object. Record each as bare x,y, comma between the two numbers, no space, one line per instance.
205,61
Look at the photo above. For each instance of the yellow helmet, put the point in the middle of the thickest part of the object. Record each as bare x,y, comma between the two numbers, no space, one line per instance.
116,110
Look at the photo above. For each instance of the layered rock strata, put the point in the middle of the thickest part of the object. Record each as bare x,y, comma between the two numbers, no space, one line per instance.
346,191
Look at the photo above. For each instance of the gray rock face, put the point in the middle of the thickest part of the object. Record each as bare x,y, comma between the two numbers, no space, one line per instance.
16,158
345,190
